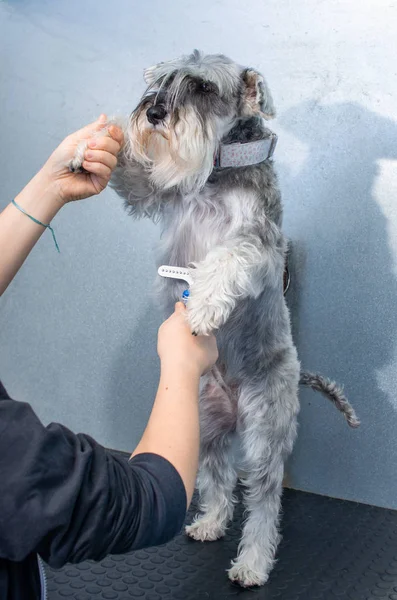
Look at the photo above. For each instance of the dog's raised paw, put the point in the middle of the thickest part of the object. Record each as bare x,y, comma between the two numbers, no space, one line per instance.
204,531
244,575
203,318
76,164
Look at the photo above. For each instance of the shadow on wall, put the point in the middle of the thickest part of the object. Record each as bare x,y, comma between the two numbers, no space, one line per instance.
344,298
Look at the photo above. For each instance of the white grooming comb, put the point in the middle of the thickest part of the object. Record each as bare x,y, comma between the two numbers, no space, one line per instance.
176,273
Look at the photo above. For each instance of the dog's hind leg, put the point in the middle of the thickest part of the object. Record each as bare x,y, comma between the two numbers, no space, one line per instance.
268,409
217,474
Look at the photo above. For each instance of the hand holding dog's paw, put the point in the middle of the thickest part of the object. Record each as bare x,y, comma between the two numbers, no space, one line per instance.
177,347
82,164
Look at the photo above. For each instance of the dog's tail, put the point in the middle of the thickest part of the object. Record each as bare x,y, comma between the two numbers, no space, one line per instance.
333,392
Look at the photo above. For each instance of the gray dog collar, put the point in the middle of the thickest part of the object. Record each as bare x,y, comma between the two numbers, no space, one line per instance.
245,154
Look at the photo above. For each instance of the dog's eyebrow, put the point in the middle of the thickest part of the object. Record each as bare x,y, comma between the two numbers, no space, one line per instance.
158,85
178,86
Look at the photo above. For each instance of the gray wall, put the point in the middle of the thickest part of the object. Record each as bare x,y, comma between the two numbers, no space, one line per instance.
78,330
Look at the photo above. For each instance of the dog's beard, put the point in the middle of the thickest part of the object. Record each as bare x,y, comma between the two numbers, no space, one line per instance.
181,155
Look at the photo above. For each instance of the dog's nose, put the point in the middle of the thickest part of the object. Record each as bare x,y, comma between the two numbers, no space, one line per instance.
156,113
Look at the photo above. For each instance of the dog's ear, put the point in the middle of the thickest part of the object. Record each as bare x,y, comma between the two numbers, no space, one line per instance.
150,74
162,69
256,99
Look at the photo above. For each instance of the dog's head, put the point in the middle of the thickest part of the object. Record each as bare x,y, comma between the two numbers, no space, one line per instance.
190,104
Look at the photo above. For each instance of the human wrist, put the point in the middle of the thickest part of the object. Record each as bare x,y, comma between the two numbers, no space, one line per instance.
181,368
41,198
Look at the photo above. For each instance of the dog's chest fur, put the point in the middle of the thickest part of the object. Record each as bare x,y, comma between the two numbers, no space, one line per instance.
195,224
231,204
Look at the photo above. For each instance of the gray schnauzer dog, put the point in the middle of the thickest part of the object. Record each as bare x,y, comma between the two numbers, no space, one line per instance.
196,157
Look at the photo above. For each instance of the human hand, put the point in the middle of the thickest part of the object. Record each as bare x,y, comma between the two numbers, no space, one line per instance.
177,347
100,159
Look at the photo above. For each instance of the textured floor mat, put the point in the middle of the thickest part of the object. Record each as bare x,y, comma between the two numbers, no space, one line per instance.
330,550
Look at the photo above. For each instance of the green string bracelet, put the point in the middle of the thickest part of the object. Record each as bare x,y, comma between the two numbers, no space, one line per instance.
47,226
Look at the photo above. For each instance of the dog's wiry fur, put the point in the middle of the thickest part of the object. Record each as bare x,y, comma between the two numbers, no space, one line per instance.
226,223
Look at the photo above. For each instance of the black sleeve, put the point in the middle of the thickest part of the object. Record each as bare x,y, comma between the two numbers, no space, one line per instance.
67,498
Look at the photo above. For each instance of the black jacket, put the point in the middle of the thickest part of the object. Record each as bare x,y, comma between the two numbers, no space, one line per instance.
66,498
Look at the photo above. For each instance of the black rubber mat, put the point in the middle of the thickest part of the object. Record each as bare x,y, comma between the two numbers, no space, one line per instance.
331,549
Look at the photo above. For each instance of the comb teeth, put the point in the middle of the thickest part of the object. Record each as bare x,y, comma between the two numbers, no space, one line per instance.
176,273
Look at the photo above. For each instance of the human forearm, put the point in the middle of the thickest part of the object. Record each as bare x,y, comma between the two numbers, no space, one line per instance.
18,233
173,430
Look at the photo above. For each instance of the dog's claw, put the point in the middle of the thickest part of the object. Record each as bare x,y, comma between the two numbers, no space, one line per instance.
75,165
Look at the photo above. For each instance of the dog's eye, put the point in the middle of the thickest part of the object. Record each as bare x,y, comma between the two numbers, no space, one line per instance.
207,87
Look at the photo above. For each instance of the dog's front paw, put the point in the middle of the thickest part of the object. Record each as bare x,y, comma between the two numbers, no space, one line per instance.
204,317
246,575
76,164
